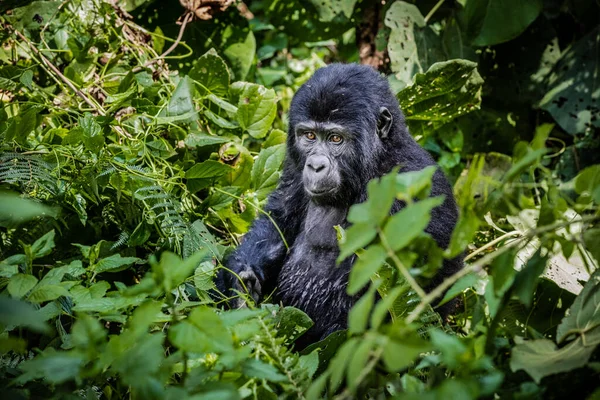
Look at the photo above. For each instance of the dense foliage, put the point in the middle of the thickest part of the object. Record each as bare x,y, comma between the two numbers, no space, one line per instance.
131,162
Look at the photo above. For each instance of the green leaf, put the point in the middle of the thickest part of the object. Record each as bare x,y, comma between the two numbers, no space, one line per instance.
27,79
588,183
20,284
254,368
381,195
409,222
357,237
540,358
240,49
501,20
194,140
187,337
583,316
368,263
292,323
452,348
108,304
210,74
310,362
447,90
257,107
42,293
526,279
415,184
18,210
359,313
172,270
404,20
465,230
208,169
16,313
403,348
43,246
358,361
330,9
54,367
181,106
92,133
113,263
340,362
573,91
266,170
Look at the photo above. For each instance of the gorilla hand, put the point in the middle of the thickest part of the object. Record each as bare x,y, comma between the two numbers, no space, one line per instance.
246,281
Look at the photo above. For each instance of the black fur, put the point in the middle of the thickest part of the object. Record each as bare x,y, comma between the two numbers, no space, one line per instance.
353,97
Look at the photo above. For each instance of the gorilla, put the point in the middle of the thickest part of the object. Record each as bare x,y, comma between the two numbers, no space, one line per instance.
345,128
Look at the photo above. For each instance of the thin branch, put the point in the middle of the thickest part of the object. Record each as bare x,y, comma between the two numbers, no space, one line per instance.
97,107
492,243
48,64
187,19
433,10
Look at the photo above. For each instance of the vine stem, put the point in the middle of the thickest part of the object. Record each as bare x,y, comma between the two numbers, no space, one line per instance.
97,107
433,10
259,210
492,243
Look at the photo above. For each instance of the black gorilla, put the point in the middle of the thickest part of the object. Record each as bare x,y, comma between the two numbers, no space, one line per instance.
345,128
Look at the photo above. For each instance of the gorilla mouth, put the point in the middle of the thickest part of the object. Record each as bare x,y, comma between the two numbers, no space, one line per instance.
320,192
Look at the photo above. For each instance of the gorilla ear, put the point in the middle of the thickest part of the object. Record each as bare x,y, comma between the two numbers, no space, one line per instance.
384,123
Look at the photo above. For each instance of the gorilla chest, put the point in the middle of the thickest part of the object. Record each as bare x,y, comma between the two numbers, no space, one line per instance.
310,278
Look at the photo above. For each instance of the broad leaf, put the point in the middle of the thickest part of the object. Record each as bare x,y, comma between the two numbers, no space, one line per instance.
256,108
573,88
210,74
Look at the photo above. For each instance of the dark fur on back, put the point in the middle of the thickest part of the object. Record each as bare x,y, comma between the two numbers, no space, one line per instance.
307,276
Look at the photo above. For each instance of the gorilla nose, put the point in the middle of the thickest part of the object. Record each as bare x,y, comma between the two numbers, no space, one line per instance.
318,163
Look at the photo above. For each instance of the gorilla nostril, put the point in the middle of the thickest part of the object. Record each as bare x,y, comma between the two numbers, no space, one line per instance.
317,163
317,167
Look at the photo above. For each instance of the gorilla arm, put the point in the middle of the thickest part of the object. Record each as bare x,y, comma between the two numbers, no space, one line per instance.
260,256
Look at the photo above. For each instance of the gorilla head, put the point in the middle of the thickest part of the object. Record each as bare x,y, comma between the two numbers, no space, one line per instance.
341,114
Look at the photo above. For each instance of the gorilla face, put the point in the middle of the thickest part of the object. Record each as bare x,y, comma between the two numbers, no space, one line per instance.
333,160
322,146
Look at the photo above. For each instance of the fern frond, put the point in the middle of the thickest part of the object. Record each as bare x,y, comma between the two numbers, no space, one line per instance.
29,171
123,238
166,210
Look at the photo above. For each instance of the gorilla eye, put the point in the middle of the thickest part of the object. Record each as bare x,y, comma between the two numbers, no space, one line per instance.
335,138
310,135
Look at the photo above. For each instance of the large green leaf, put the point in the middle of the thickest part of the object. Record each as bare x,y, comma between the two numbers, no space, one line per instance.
495,21
404,19
409,222
20,284
573,88
367,264
583,318
256,108
445,92
181,106
266,170
540,358
210,74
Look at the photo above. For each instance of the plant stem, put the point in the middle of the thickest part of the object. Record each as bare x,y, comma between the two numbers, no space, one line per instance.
492,243
401,267
433,10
